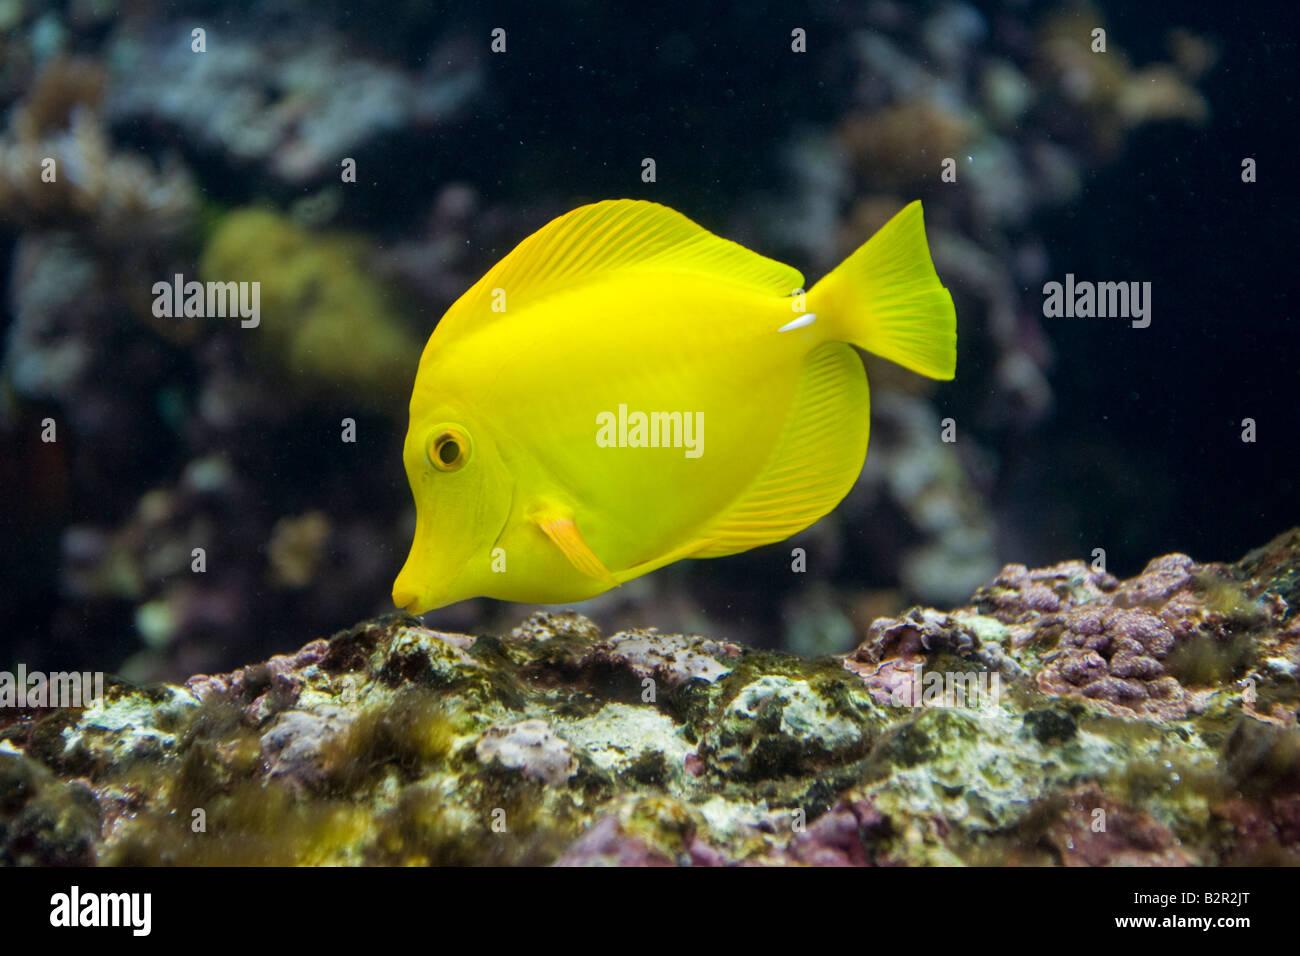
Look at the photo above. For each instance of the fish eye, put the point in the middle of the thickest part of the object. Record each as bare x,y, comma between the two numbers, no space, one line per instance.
448,449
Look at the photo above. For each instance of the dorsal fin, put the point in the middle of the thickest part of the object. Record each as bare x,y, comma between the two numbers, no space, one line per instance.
601,238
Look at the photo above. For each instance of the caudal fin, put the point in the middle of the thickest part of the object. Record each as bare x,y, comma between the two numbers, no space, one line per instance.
886,298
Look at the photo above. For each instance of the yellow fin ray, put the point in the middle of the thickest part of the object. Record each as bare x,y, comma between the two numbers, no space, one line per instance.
595,240
813,465
887,299
563,531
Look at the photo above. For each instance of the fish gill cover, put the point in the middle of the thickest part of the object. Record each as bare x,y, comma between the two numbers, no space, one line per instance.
265,336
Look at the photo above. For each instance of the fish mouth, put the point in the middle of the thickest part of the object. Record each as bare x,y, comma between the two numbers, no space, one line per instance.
410,596
409,602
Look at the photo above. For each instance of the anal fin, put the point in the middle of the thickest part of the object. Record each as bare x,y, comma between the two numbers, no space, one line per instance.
812,467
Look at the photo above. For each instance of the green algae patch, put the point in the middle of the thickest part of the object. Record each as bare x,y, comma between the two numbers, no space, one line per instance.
44,821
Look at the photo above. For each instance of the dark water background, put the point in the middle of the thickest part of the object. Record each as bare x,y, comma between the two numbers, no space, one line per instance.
1140,452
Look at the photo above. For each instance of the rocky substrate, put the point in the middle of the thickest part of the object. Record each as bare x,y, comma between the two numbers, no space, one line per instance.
1063,717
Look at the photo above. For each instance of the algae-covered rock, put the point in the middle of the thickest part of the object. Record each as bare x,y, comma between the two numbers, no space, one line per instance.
44,821
325,323
1064,717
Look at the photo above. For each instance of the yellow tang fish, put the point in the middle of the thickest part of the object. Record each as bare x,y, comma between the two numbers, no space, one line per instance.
626,389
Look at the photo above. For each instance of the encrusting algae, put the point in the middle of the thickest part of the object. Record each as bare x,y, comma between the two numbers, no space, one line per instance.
395,744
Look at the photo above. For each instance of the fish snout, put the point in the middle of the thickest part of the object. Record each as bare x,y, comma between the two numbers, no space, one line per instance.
407,600
408,596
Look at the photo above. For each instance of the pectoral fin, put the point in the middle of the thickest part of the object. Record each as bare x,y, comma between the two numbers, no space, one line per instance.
560,527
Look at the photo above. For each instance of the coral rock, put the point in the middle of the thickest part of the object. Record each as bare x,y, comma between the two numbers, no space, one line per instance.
1165,704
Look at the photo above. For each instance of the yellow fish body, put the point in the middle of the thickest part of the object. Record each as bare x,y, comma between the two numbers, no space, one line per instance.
626,389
